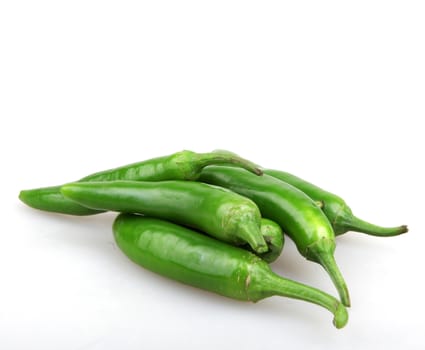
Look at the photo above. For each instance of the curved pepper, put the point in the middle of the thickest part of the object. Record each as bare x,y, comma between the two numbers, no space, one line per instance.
214,210
184,165
197,260
335,208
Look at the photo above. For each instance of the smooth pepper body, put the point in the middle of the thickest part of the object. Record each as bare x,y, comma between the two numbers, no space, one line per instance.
194,259
211,209
293,210
184,165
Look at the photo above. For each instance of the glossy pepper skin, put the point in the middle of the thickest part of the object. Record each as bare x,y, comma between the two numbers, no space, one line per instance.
200,261
335,208
293,210
214,210
184,165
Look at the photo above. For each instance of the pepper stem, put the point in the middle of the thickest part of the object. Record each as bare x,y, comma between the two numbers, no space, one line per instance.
250,232
265,283
322,252
355,224
225,157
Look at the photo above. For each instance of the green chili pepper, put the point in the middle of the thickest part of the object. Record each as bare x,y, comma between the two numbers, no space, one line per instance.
184,165
335,208
197,260
293,210
214,210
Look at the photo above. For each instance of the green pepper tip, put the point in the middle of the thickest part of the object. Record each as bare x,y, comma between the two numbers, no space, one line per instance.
67,190
340,316
21,195
404,229
24,196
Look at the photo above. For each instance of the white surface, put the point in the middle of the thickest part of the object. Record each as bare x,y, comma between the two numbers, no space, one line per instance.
330,91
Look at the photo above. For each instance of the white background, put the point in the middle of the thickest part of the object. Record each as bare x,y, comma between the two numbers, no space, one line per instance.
332,91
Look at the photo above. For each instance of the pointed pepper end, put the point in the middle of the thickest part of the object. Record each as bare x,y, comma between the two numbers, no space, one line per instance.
404,229
340,316
69,190
22,195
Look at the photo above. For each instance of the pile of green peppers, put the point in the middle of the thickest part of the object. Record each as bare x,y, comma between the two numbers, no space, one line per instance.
216,221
